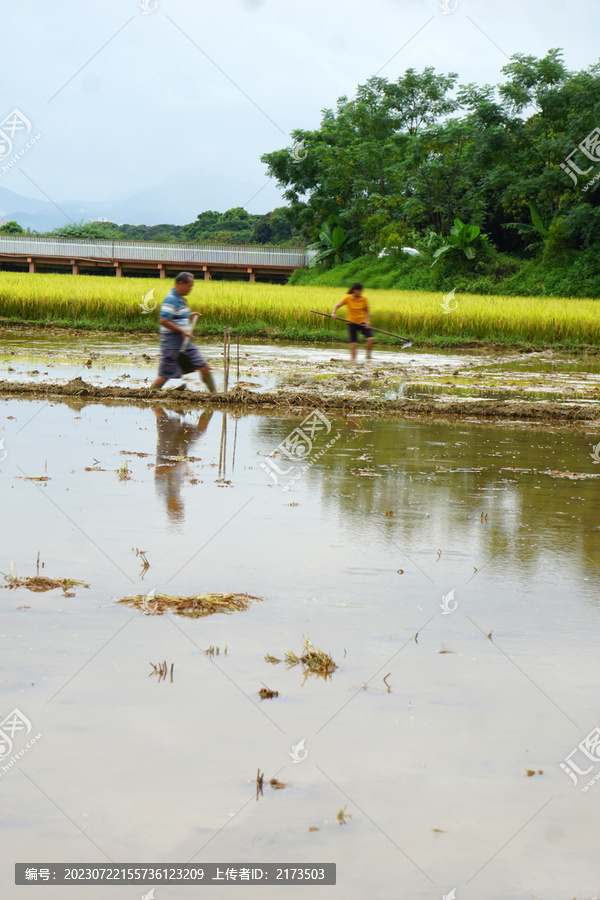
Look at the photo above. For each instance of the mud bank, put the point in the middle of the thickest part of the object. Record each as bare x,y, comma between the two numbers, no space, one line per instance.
544,411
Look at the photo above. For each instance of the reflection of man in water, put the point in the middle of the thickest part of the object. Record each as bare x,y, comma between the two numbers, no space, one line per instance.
175,437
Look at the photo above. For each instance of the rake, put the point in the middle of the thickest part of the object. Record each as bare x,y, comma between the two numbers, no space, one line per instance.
380,330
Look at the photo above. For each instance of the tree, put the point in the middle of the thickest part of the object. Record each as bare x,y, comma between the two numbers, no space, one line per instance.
11,228
204,223
234,226
90,230
411,154
355,158
275,228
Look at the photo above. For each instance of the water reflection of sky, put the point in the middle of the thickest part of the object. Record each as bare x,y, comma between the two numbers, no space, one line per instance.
154,771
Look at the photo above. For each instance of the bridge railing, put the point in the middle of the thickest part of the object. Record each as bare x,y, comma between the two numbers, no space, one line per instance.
150,251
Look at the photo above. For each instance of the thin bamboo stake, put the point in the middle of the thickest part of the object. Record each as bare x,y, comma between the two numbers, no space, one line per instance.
228,356
234,443
221,454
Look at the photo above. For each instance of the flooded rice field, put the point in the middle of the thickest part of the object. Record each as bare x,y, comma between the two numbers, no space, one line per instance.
414,657
557,384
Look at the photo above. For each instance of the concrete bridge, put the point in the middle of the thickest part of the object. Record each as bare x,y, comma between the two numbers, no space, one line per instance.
145,258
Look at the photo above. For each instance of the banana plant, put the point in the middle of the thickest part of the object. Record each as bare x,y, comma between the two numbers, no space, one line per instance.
461,238
536,227
333,242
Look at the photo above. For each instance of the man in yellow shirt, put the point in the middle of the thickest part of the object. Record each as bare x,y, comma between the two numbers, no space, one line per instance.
357,318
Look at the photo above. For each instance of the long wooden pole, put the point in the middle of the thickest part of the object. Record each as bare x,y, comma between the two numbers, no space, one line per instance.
380,330
227,352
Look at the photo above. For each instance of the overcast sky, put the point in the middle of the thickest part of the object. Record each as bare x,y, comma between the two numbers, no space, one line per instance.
190,95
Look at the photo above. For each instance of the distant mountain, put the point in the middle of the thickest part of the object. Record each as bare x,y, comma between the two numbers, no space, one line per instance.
40,215
177,202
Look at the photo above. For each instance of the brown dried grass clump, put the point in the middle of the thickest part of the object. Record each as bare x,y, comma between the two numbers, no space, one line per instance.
192,607
41,583
312,659
266,693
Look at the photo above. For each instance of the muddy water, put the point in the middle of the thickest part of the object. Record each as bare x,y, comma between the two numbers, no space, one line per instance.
354,547
127,361
124,361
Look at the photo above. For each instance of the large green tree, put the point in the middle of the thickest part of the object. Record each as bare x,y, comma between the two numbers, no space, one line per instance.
351,165
11,227
409,157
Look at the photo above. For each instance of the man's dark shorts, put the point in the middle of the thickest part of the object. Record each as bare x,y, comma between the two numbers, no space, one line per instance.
354,329
168,366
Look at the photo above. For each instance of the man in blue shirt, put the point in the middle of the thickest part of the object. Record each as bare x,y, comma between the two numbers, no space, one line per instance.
174,319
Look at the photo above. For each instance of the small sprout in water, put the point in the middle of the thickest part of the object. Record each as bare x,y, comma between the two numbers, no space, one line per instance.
124,472
343,815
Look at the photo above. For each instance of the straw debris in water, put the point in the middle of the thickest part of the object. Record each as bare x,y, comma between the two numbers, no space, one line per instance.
161,670
313,659
41,583
193,607
215,650
266,693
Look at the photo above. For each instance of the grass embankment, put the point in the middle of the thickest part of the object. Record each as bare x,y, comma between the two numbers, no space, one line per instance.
283,311
573,274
